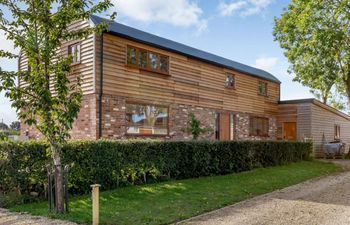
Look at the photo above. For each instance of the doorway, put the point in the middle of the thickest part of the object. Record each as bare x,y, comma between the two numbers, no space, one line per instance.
290,131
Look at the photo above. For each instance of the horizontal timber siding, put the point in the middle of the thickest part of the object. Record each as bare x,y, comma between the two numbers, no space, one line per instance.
85,68
191,82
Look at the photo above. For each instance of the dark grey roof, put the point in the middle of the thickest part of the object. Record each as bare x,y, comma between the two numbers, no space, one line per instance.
166,44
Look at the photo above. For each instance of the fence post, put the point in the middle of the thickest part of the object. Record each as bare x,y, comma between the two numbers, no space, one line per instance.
95,203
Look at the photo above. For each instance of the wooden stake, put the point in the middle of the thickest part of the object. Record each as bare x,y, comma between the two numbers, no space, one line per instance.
95,203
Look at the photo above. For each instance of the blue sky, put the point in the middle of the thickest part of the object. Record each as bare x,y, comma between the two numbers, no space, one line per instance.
240,30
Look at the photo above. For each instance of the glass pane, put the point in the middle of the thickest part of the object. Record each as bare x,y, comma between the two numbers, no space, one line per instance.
230,81
232,126
77,53
153,61
146,119
262,88
164,64
131,56
143,59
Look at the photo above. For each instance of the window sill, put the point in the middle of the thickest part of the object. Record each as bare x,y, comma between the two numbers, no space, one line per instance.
147,70
263,95
146,135
230,88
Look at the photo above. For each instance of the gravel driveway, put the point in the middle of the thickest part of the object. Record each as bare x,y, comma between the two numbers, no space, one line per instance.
8,218
323,201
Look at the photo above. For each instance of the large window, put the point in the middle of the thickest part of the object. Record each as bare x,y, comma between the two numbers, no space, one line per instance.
262,88
147,60
230,81
259,126
337,132
74,51
146,119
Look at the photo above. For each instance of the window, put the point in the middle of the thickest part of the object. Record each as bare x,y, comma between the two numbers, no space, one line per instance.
337,132
147,60
259,126
132,58
146,119
262,88
230,81
74,51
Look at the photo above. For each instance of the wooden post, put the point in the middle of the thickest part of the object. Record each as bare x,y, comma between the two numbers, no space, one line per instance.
95,203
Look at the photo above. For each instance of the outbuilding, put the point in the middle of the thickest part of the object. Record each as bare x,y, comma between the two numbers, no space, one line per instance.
310,119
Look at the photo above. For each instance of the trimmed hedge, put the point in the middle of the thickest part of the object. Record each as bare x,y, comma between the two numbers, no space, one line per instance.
119,163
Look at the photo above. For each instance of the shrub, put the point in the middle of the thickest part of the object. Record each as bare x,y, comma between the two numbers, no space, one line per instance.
120,163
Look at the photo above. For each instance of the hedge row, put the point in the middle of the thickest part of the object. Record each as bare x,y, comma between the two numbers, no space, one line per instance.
119,163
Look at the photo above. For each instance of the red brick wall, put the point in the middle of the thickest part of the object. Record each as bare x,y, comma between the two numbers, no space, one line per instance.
114,121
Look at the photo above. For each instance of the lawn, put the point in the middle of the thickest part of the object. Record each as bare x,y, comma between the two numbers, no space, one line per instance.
176,200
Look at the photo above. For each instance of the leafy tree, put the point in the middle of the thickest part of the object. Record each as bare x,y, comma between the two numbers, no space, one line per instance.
316,36
15,125
3,126
194,127
51,100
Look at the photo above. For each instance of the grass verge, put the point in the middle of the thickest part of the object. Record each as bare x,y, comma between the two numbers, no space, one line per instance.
176,200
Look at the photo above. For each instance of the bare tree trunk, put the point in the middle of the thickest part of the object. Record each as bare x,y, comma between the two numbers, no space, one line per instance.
58,178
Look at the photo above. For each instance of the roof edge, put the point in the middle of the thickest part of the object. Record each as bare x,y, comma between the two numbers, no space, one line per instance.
318,103
95,19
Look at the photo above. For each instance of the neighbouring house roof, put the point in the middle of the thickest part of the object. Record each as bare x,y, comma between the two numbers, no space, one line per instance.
166,44
318,103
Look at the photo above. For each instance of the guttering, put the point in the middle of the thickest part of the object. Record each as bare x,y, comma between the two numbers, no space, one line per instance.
101,92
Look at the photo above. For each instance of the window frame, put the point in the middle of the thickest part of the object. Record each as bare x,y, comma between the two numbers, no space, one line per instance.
147,135
266,88
259,118
70,52
148,67
234,81
336,131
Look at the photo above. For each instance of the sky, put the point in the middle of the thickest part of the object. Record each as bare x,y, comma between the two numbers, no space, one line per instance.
240,30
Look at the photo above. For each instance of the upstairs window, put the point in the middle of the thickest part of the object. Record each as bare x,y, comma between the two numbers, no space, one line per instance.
259,126
230,81
74,51
337,132
262,88
147,60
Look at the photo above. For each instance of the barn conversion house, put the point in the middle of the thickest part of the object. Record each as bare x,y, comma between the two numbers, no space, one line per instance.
136,84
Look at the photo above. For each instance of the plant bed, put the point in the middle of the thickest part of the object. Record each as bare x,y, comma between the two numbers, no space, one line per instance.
172,201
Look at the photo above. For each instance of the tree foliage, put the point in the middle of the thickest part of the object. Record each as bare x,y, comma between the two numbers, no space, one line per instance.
50,100
315,36
15,125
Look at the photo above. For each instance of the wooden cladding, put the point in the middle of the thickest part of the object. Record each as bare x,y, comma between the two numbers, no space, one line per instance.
192,82
147,60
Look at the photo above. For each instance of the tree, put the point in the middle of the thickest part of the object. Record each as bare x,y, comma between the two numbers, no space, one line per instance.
315,36
15,125
194,127
51,100
3,126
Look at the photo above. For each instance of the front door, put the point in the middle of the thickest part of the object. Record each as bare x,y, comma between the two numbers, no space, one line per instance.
224,127
289,131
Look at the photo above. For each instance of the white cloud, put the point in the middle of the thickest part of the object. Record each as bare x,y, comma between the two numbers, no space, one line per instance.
183,13
243,7
266,63
227,9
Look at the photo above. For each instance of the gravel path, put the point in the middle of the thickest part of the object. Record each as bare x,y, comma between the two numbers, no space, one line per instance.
323,201
9,218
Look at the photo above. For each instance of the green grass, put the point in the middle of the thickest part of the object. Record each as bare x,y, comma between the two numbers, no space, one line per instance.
176,200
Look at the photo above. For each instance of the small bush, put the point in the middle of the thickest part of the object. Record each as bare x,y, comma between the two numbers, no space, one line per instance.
120,163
